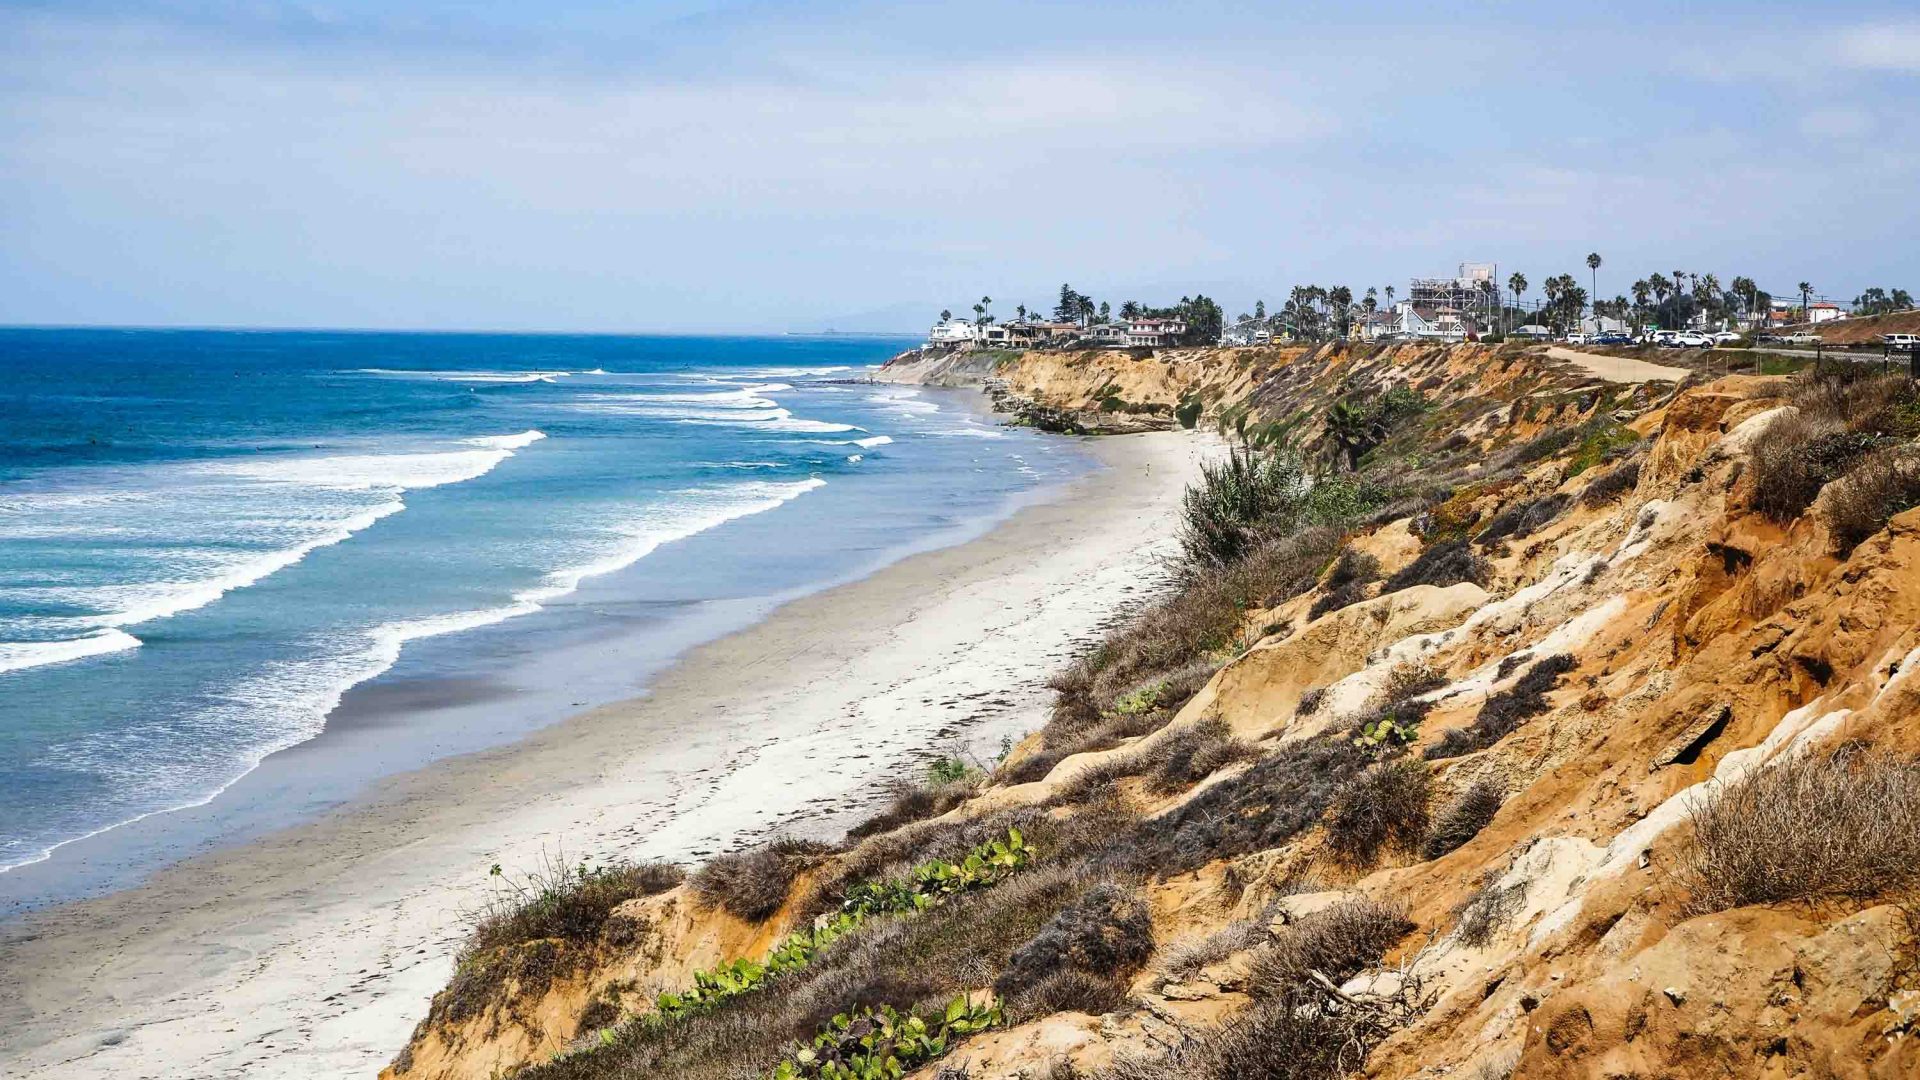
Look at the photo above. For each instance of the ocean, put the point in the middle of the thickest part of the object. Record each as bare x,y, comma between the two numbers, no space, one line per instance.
215,544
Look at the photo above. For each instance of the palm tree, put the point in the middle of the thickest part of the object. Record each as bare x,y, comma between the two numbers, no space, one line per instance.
945,315
1593,268
982,306
979,314
1806,291
1517,284
1021,310
1353,428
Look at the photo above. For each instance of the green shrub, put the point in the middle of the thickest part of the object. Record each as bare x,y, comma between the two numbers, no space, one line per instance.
883,1043
1187,413
1222,513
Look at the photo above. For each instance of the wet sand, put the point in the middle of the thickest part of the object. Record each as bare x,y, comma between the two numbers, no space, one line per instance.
312,951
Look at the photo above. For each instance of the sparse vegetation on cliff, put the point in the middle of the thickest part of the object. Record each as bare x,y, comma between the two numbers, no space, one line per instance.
1261,808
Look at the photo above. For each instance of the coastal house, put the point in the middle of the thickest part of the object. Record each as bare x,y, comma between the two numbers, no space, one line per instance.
1155,331
1431,323
952,332
1107,335
993,335
1788,312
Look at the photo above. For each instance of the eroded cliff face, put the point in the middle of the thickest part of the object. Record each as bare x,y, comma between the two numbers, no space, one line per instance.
1704,642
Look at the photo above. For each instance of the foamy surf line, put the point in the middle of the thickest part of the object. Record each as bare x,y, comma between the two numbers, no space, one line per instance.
298,698
20,655
391,474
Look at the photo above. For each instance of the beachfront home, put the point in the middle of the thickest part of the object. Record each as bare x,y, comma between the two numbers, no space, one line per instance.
952,332
1155,331
1107,335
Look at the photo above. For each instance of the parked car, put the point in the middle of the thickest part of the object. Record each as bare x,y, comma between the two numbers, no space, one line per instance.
1576,339
1902,342
1692,339
1667,339
1725,337
1803,338
1615,338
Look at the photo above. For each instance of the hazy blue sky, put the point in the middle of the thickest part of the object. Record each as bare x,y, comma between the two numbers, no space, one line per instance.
688,166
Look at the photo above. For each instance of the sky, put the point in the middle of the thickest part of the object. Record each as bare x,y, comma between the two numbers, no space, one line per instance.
698,167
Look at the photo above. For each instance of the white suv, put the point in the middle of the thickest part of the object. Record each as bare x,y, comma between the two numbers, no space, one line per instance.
1693,339
1902,342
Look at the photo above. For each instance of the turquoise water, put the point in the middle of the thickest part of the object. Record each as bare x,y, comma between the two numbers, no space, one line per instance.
209,539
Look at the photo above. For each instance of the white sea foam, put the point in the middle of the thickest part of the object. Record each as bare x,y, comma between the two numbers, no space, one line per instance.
19,655
475,376
131,605
288,702
771,420
271,533
365,472
873,441
507,442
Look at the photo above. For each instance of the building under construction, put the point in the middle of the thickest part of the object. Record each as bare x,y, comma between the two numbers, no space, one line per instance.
1450,307
1474,293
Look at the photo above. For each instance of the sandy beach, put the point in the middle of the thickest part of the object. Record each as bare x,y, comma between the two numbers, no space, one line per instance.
313,951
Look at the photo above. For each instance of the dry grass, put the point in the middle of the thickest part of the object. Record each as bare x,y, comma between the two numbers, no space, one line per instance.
1860,400
563,902
1463,818
1339,942
1504,712
1797,455
1165,654
1346,584
1611,485
912,801
1291,1038
1844,825
754,884
1084,957
1885,483
1270,803
1522,520
1448,562
1384,807
1486,910
1185,959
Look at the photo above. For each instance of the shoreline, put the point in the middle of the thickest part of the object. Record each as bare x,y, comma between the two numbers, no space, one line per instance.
312,950
598,644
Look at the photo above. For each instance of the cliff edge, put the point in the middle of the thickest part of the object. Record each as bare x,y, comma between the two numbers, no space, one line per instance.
1503,721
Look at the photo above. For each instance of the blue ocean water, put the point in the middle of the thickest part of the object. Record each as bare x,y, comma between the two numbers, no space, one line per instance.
208,538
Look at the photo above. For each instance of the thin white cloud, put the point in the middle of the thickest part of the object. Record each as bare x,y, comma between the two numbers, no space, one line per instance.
1880,47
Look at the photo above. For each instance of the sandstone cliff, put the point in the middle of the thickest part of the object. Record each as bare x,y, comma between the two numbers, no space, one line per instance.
1417,784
